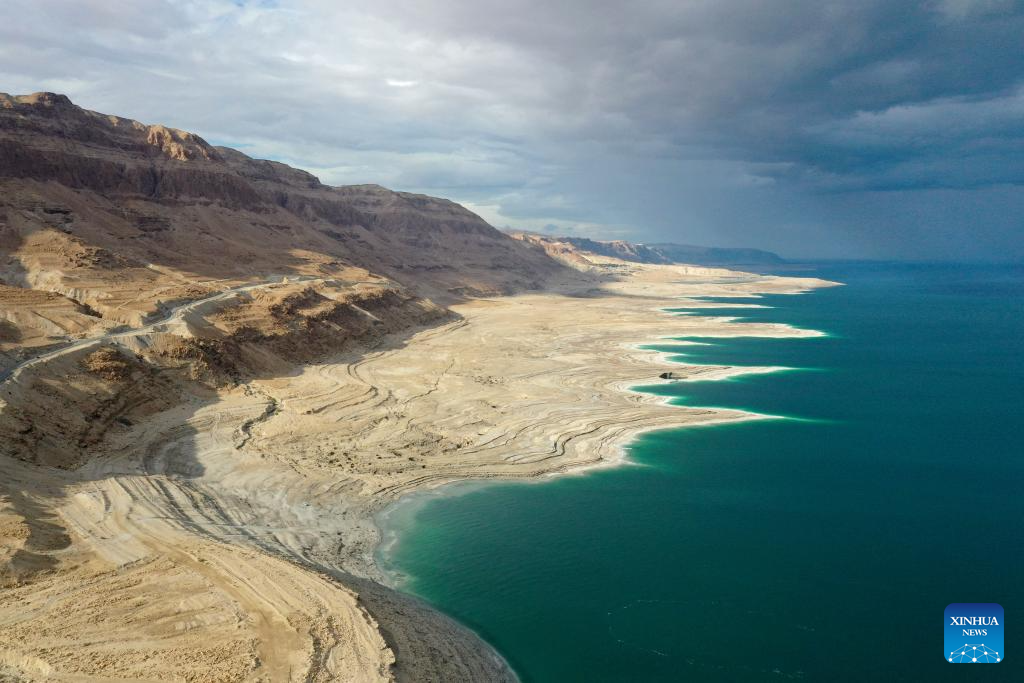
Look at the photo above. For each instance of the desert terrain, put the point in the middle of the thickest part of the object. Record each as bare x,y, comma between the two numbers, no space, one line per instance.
217,372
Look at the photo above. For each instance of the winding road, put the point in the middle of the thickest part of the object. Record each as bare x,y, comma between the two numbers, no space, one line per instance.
174,314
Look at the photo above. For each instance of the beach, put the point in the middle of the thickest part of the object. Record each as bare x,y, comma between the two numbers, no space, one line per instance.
246,524
761,549
509,342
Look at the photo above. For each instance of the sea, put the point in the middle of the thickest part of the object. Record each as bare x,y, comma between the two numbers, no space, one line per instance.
822,544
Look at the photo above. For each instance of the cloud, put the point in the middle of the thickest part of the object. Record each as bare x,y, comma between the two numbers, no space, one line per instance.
735,122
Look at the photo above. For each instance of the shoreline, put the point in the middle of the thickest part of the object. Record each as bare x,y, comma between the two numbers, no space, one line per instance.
280,532
397,518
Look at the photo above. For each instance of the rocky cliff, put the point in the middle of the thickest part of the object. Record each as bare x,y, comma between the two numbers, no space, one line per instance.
146,277
574,249
82,192
107,224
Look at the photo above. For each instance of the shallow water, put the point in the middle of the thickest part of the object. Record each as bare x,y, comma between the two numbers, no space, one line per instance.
822,546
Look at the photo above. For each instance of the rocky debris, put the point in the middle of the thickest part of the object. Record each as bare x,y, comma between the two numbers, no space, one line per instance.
110,364
62,411
9,332
147,222
31,318
299,324
212,362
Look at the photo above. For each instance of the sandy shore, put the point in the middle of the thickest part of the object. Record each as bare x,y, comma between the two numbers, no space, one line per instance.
243,530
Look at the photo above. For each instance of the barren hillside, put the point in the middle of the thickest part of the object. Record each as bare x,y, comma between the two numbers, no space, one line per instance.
120,215
216,372
572,249
145,275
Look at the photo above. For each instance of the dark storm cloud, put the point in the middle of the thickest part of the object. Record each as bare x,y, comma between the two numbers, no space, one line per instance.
860,127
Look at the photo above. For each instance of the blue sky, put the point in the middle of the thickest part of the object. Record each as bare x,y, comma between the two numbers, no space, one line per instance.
838,129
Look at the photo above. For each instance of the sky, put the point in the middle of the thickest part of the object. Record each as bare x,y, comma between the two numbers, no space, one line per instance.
814,128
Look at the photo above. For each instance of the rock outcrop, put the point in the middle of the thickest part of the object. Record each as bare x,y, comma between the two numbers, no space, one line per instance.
575,249
146,276
136,198
215,372
107,224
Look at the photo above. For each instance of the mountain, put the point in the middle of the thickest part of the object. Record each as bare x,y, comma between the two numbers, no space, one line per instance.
146,277
89,194
109,226
715,256
195,441
105,221
663,252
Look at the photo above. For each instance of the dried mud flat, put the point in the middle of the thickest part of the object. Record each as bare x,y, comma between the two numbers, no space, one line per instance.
233,538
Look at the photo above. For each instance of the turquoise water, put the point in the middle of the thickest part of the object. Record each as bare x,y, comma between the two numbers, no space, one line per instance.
823,548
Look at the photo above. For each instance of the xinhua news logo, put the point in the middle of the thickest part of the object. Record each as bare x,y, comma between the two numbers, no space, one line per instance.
973,633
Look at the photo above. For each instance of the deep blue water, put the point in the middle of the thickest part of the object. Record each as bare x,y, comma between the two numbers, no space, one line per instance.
821,548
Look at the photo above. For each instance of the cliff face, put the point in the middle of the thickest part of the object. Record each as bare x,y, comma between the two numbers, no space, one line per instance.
62,411
715,256
108,224
574,249
134,198
620,249
147,277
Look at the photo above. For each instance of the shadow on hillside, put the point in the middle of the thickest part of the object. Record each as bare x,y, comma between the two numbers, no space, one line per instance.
162,476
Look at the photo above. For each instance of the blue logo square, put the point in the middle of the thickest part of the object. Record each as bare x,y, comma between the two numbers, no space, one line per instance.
973,633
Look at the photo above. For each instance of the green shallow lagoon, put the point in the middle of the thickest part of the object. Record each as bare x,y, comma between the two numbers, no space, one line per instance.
823,548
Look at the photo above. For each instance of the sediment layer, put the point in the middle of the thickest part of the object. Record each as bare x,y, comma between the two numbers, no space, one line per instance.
215,370
232,536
